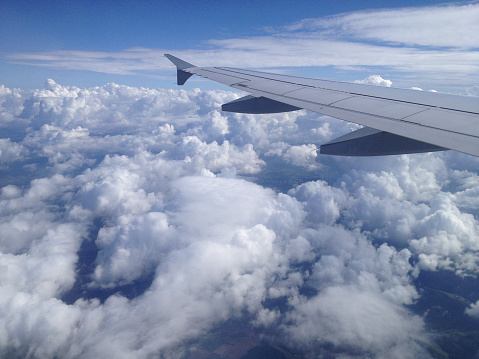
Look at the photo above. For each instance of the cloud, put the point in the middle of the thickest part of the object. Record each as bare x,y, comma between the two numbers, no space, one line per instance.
434,40
375,80
419,26
10,151
473,91
449,232
363,321
115,188
303,155
473,310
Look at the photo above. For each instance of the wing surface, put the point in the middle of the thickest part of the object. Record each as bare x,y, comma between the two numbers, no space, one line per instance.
413,119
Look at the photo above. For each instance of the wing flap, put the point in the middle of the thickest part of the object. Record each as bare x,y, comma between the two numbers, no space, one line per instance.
370,142
257,105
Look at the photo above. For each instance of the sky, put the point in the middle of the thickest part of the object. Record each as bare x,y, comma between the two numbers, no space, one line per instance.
137,220
431,44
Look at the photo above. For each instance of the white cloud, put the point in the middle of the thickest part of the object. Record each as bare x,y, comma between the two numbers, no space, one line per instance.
215,157
168,182
11,151
363,321
375,80
434,40
473,310
322,202
445,235
122,258
423,26
473,91
303,155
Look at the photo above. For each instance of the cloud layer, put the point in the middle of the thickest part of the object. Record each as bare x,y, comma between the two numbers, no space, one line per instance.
217,217
439,41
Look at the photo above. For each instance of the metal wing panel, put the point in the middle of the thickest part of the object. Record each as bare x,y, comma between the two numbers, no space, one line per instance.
379,107
217,75
322,97
433,99
264,85
464,123
376,107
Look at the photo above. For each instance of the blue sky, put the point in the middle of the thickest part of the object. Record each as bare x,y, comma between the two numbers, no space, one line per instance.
89,43
116,25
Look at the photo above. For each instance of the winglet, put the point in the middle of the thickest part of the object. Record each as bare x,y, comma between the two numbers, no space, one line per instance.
181,75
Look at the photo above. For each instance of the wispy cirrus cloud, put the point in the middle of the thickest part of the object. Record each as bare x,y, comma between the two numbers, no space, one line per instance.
437,43
126,62
453,25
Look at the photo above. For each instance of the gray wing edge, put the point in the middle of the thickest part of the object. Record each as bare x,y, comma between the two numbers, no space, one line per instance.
181,75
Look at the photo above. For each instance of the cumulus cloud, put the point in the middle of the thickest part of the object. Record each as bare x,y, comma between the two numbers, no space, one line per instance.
448,232
473,91
375,80
10,151
303,155
116,187
362,320
473,310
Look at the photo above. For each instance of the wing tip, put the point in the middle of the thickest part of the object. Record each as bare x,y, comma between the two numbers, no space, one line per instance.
181,75
179,63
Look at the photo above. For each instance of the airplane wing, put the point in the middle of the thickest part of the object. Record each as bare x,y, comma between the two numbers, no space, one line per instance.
396,120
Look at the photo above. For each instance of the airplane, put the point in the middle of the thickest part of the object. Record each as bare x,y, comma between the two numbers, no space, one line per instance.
396,121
